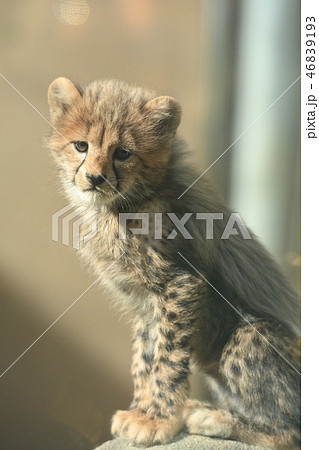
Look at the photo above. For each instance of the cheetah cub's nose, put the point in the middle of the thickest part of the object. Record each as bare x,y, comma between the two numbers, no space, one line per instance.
95,179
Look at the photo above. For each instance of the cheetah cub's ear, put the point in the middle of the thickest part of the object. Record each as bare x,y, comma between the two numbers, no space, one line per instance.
62,92
164,115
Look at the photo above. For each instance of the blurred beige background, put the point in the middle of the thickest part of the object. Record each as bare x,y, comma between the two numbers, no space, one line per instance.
64,389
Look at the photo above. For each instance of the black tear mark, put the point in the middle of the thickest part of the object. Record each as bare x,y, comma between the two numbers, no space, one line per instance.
117,176
78,168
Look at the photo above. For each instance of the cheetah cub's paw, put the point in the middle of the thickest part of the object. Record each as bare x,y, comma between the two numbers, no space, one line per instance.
142,430
207,421
191,404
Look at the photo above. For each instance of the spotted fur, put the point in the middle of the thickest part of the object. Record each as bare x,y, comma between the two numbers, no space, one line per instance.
179,315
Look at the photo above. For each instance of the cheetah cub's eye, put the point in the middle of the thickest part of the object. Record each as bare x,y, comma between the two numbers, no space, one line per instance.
81,146
121,154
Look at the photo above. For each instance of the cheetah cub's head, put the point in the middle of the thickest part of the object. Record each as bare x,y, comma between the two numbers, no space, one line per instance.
111,141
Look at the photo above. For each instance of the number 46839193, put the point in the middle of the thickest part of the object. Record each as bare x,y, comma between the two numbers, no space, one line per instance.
310,43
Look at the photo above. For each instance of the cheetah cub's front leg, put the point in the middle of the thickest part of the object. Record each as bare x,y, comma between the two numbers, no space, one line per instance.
160,371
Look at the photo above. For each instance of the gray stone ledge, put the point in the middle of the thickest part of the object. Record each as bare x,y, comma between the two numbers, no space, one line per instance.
183,442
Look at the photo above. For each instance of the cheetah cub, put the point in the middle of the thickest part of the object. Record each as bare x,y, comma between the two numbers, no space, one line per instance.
192,295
